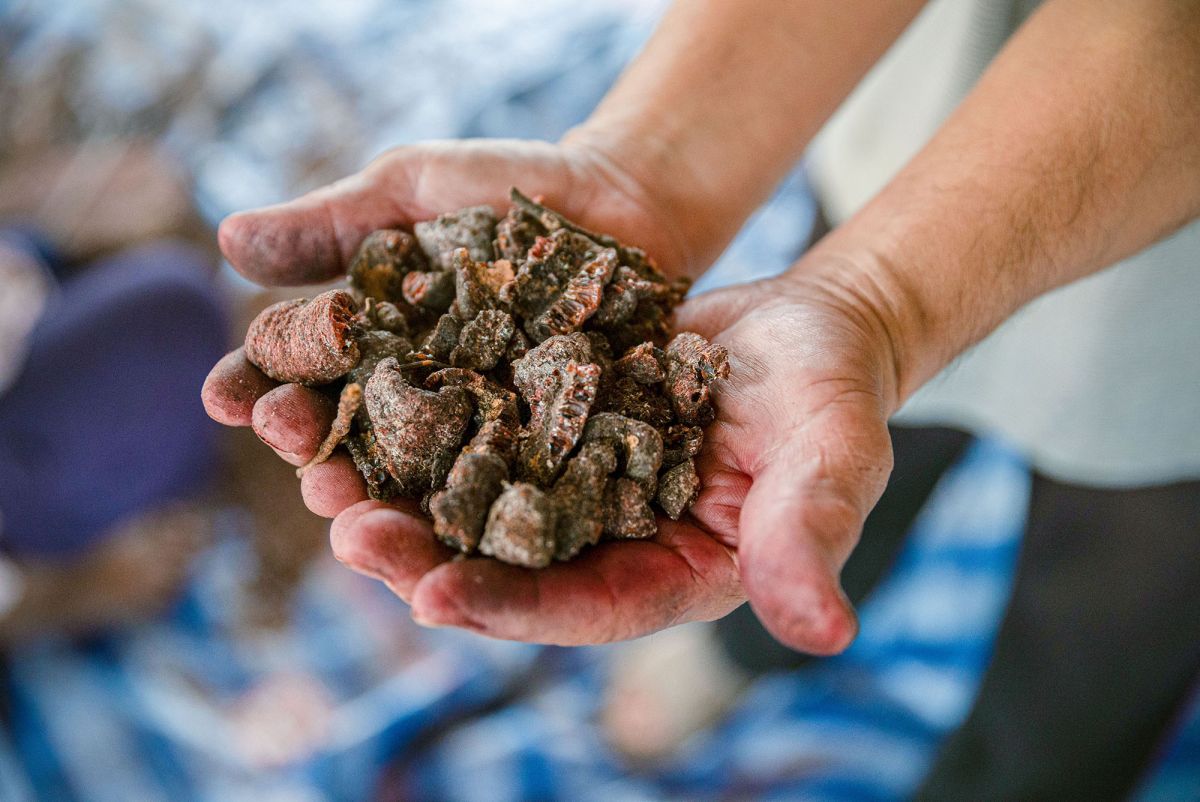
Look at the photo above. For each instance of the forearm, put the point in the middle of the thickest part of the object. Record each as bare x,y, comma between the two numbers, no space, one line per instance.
1080,146
725,97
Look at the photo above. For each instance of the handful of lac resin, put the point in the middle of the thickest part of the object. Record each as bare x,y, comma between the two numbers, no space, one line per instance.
516,375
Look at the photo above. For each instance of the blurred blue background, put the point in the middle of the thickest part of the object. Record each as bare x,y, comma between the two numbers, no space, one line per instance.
235,660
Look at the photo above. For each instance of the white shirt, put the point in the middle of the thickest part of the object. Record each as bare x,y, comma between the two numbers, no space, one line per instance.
1098,381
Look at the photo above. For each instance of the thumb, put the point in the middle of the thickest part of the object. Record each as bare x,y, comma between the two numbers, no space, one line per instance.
712,312
310,239
314,237
800,521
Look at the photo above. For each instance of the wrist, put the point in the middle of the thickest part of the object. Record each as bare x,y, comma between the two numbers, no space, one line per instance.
887,314
646,167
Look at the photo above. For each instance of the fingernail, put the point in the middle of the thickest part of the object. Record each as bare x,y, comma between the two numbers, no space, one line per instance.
421,615
291,457
452,615
352,543
367,569
427,623
260,431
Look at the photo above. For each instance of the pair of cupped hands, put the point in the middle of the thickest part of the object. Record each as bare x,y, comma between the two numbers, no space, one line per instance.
797,457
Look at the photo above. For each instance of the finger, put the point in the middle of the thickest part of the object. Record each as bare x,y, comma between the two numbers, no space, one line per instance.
313,238
802,517
232,387
310,239
712,312
332,486
387,543
293,420
614,591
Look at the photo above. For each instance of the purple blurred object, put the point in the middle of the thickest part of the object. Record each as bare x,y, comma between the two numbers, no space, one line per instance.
105,418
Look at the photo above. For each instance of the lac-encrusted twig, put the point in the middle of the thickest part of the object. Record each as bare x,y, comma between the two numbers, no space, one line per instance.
306,341
627,514
561,416
483,340
476,480
579,496
348,403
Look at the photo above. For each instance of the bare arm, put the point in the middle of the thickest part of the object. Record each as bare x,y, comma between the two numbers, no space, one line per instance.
726,96
1080,146
696,133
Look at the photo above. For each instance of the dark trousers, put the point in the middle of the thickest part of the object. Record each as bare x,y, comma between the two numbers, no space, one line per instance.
1098,648
105,419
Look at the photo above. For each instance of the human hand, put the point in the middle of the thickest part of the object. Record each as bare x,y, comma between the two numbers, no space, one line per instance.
797,457
313,239
795,460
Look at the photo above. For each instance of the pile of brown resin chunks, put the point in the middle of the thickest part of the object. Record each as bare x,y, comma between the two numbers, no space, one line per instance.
513,374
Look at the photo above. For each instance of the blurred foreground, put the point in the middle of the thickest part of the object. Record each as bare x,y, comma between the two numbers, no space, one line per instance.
196,641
